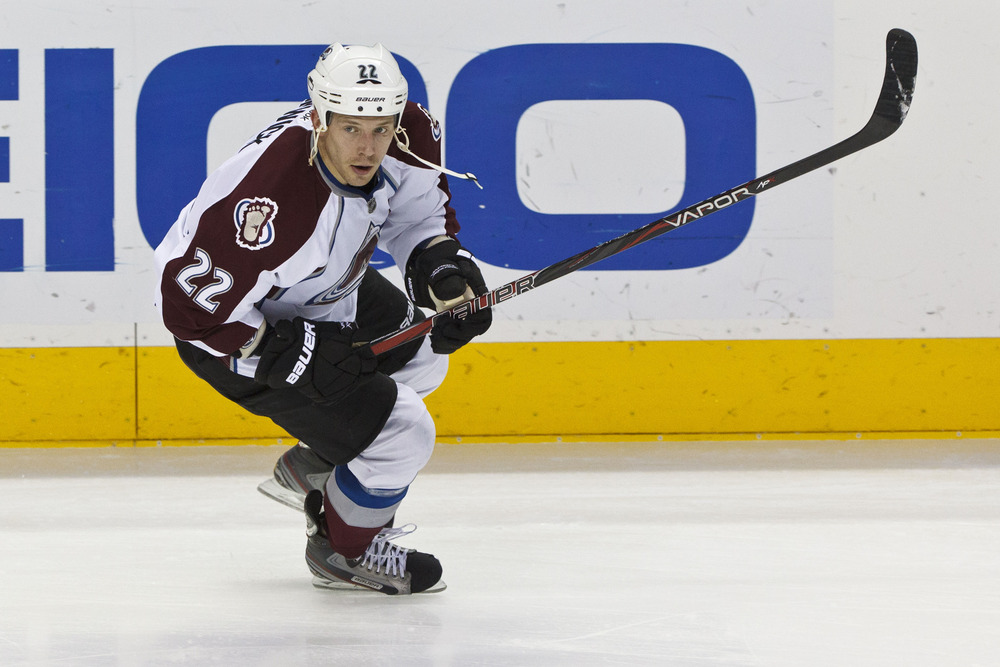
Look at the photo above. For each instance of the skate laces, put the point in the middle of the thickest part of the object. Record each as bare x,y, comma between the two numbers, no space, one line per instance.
381,555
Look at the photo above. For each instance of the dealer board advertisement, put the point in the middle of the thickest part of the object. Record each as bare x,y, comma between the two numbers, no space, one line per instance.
114,115
582,121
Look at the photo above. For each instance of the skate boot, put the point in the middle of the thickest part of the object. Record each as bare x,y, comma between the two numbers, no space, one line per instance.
297,472
384,567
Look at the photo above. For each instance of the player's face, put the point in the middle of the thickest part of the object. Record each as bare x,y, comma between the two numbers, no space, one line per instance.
352,147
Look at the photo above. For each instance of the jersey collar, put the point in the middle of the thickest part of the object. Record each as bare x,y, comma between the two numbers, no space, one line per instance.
344,190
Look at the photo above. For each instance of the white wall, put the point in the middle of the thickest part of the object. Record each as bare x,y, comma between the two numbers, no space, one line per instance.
897,242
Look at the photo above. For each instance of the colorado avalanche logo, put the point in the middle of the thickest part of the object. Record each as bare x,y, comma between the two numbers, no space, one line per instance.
255,223
351,278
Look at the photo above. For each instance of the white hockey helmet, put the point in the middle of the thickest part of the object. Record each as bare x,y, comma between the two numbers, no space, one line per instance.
362,81
357,81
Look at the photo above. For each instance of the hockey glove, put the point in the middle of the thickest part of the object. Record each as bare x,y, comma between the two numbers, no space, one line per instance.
450,333
439,276
317,358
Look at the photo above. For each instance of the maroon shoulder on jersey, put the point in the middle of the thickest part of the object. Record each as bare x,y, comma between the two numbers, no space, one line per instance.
258,225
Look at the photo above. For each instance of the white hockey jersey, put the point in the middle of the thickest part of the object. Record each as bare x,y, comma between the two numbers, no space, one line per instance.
271,237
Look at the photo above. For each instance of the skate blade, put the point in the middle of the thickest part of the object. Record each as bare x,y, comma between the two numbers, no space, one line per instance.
339,585
286,497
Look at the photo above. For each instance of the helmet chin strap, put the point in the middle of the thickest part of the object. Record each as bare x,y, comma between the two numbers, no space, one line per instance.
313,145
404,145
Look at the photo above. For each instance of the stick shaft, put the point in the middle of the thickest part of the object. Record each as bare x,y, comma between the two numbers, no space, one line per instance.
890,111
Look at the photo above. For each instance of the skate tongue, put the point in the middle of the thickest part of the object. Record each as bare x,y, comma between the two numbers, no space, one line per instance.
315,521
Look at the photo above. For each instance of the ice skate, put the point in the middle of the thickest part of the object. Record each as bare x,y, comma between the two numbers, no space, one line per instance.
385,567
297,472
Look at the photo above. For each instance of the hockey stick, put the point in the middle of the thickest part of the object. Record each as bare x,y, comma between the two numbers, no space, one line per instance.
890,111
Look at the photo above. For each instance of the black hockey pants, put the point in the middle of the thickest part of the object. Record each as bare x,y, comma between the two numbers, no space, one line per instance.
338,433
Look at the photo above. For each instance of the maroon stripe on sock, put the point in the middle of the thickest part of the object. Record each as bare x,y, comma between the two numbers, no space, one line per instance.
348,541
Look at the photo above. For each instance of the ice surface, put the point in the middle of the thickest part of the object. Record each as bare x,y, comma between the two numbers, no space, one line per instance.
754,553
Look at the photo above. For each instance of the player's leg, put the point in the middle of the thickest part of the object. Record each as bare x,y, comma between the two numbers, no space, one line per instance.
350,542
381,308
336,434
378,437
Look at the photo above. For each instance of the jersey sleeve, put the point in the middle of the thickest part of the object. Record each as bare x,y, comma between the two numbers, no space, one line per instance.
202,302
231,247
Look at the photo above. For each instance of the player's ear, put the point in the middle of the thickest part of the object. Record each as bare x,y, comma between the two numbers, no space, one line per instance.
314,117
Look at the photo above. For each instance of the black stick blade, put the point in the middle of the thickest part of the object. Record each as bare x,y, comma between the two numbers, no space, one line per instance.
898,86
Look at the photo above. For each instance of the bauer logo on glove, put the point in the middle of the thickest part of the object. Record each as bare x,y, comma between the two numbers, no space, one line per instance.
308,343
317,358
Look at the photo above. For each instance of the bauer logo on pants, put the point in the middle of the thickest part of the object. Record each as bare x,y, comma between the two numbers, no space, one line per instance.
255,223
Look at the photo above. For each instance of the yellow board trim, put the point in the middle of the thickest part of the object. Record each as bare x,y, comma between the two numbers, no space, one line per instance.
546,392
67,393
533,439
724,387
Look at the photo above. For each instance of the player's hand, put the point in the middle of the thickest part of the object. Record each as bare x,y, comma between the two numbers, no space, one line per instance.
450,333
317,358
439,276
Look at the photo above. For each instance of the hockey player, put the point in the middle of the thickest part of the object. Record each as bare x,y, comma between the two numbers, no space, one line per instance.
265,284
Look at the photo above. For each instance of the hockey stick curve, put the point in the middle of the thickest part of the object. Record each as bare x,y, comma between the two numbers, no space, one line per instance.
890,111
